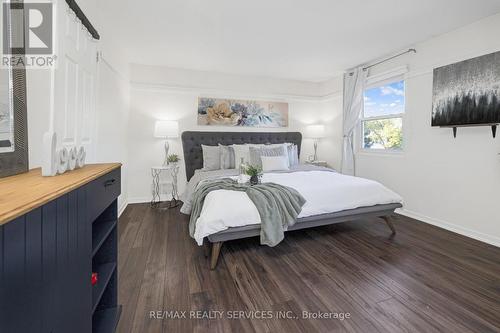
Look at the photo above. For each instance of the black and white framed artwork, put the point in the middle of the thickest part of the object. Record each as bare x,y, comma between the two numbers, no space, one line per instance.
467,92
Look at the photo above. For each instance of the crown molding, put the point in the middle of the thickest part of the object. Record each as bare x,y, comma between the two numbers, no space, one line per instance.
141,86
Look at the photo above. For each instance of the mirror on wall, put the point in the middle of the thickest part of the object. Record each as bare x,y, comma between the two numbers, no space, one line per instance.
6,112
13,112
6,108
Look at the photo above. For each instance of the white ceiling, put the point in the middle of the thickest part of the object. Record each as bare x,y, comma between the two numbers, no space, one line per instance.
296,39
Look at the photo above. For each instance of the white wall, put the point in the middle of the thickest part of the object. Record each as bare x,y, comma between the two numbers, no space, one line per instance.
111,107
172,94
112,121
449,182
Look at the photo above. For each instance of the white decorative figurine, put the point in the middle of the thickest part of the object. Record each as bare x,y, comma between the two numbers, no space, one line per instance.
50,158
58,161
72,159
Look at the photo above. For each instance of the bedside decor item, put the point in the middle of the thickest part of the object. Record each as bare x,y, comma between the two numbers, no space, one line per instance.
249,113
315,132
255,172
173,158
13,111
467,93
158,184
166,129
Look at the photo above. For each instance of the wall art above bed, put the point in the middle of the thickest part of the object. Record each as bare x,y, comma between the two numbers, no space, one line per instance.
248,113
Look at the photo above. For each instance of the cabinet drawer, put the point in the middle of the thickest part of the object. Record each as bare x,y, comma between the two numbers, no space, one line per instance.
102,192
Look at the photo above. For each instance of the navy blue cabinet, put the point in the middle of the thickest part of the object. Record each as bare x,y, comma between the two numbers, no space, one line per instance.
47,259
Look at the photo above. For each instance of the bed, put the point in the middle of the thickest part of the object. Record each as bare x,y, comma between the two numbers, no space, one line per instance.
193,156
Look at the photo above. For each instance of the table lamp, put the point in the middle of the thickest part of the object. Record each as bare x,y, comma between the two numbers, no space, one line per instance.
315,132
166,129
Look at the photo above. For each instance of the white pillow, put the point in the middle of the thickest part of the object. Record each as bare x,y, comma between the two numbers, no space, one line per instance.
274,163
293,154
241,151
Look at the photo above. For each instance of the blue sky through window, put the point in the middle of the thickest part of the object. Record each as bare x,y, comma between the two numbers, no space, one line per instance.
385,99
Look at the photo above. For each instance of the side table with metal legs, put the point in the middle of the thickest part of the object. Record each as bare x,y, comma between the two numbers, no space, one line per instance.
156,172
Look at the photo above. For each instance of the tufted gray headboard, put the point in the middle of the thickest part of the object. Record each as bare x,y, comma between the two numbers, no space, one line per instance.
192,141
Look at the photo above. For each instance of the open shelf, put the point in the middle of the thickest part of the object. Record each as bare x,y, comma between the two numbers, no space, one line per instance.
100,231
105,308
104,271
106,320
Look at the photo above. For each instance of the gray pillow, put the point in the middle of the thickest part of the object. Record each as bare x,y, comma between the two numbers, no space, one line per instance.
293,154
211,157
226,157
257,152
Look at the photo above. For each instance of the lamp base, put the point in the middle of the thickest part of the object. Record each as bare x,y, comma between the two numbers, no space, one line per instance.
167,147
315,150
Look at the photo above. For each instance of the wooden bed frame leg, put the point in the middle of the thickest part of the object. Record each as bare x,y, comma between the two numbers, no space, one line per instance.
215,254
388,221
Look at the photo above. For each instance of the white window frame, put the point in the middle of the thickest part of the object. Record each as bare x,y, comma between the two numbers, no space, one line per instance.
395,75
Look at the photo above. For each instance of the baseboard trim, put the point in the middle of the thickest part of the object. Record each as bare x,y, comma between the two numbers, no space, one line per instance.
121,209
136,200
492,240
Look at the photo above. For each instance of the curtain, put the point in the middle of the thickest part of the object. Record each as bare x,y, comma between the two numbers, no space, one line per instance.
354,84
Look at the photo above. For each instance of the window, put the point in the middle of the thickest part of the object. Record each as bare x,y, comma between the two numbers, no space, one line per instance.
382,118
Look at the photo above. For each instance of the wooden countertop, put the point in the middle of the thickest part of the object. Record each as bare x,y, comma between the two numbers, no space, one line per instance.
22,193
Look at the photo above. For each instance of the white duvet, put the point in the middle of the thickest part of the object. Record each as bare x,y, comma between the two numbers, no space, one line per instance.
325,192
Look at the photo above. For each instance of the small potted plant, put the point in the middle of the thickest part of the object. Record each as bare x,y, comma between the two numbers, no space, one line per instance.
254,172
173,159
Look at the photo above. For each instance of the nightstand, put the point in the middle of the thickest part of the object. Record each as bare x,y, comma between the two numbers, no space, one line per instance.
318,163
156,172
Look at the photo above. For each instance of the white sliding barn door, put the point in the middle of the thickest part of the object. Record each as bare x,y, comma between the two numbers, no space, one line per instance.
74,82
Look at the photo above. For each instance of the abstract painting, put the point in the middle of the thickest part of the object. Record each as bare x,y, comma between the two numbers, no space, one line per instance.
249,113
467,92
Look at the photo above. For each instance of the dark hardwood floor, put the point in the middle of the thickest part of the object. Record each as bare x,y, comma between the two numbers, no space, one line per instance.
424,279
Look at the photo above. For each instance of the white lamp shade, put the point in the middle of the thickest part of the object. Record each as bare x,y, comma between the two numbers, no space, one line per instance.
315,131
166,129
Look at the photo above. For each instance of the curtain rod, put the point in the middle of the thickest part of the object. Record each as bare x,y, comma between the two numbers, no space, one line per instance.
85,21
390,58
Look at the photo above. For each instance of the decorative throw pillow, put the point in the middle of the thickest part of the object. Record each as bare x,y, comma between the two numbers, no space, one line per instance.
211,157
255,156
293,154
241,152
226,157
257,153
274,163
